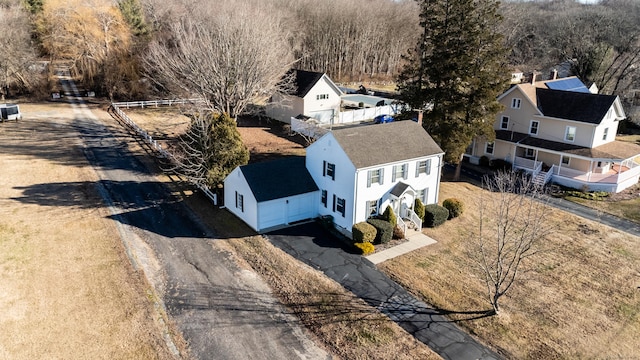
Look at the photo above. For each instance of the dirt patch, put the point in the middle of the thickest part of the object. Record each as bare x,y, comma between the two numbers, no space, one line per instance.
68,290
265,139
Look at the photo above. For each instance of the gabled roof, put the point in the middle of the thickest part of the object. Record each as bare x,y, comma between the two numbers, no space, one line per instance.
379,144
304,81
577,106
278,178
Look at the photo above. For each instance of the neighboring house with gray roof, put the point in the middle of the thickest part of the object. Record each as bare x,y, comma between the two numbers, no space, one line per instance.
559,131
313,94
357,172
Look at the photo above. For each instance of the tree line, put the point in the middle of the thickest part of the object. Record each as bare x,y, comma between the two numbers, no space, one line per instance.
107,43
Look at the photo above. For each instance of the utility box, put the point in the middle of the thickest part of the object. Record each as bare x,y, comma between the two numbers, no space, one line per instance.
10,112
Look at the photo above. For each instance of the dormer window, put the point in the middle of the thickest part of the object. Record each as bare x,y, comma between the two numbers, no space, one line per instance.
570,133
504,123
515,103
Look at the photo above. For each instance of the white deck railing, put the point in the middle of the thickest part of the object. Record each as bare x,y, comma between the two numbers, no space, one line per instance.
402,224
527,164
411,215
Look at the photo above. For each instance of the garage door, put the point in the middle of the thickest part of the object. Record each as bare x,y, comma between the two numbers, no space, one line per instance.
323,116
271,214
301,207
286,211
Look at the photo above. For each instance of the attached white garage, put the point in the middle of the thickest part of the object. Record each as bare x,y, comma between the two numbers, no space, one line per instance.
271,194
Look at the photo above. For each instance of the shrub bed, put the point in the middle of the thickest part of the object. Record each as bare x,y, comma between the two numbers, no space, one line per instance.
435,215
363,232
366,247
384,230
455,207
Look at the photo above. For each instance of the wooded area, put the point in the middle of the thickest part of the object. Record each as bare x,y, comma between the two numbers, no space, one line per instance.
356,41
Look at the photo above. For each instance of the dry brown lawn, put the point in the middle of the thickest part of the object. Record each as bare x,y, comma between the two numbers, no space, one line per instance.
67,291
581,298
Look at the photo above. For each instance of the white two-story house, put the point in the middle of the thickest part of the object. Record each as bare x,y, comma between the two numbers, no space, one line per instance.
559,131
357,172
313,94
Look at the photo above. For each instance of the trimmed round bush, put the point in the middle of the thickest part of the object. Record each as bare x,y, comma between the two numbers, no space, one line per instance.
455,207
398,233
484,161
390,216
366,247
435,215
418,208
384,230
363,232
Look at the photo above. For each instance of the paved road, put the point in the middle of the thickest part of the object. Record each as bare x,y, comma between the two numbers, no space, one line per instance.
314,246
223,311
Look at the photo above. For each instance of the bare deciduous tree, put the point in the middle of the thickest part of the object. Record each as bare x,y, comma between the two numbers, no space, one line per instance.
17,53
92,35
512,225
230,61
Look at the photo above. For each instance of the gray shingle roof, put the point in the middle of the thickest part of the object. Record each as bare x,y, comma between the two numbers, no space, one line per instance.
577,106
378,144
278,178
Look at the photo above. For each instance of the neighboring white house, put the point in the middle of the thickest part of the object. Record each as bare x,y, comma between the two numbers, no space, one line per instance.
313,95
357,172
559,131
270,194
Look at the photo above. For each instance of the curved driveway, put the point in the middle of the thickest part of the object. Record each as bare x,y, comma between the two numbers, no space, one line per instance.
317,248
222,311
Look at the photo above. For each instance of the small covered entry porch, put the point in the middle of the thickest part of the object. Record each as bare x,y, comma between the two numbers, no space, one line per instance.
402,198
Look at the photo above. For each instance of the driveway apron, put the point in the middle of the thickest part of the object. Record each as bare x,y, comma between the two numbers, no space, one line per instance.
314,246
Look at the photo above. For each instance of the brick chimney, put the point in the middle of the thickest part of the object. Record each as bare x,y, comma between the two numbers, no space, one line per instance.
554,74
420,117
533,77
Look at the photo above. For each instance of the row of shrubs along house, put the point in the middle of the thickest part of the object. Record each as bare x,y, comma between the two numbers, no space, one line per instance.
557,130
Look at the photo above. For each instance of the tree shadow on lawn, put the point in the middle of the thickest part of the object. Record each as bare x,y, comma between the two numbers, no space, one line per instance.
145,205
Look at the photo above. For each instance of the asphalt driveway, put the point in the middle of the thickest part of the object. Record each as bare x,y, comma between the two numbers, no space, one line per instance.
314,246
222,310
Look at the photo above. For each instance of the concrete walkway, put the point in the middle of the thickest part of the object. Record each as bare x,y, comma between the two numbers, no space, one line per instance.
311,244
415,241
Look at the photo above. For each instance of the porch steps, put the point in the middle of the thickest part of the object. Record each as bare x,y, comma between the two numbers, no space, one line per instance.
540,179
